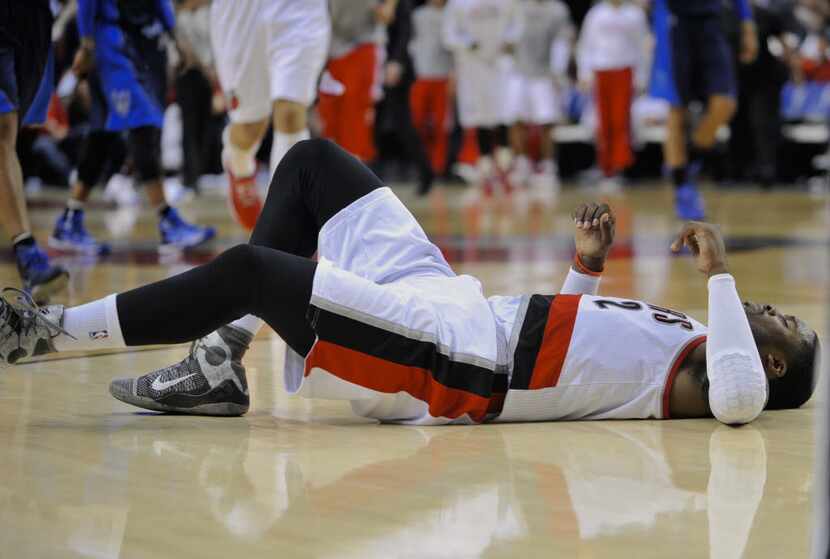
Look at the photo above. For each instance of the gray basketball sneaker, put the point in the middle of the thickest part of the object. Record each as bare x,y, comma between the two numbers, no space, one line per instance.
26,330
209,381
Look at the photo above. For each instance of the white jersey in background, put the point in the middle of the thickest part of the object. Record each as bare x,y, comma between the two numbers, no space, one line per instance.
612,38
547,31
589,357
542,53
267,50
430,57
477,32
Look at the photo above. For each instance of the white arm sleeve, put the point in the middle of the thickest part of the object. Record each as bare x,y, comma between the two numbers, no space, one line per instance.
580,284
737,382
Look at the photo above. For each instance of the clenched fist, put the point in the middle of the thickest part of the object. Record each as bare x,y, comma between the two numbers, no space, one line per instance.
594,233
706,243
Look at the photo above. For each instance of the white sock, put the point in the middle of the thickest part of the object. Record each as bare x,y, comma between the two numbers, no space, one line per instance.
241,162
484,166
94,325
282,143
504,157
249,323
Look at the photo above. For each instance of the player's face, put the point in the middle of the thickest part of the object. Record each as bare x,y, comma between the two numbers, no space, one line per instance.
773,329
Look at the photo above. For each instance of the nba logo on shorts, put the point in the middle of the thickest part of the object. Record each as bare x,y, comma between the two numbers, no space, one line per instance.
99,335
233,101
121,101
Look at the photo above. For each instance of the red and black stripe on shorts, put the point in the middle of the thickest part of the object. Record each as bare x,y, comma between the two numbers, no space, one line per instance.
388,362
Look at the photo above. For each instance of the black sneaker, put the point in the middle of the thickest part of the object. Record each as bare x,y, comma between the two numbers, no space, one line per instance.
209,381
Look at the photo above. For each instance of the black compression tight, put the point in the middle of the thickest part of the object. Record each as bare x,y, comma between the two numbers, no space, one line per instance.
272,276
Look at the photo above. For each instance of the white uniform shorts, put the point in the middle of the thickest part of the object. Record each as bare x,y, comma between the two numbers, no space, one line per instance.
532,100
267,50
399,334
480,87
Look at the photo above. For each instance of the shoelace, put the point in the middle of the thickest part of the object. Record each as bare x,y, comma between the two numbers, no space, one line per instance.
28,317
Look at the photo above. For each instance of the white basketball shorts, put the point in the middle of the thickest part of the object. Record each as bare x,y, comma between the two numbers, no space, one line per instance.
267,50
532,100
399,334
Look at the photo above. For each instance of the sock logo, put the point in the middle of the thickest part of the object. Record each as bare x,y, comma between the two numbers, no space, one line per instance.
99,335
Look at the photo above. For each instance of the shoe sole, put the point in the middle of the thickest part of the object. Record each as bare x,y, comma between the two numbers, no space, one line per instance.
169,249
41,293
219,409
237,216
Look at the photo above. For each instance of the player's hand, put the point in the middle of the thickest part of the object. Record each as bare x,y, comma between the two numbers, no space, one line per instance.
749,43
392,73
85,58
594,233
706,243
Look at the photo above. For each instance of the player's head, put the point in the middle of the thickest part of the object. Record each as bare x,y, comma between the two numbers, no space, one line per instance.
789,351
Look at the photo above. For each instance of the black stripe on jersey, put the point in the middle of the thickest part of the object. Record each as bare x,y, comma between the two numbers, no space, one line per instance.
530,340
380,343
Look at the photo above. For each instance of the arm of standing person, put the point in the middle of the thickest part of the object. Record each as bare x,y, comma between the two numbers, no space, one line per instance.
585,48
85,56
561,47
641,41
399,40
737,381
455,35
594,235
513,27
749,35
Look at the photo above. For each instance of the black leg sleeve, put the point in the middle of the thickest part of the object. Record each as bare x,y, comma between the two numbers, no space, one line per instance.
273,285
314,181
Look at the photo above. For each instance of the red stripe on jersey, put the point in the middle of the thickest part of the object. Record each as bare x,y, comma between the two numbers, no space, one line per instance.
385,376
675,368
558,331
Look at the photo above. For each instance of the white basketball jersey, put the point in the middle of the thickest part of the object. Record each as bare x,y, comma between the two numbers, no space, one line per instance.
588,357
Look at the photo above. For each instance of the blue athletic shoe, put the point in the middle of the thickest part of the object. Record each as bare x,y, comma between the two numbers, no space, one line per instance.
40,279
688,203
177,234
70,235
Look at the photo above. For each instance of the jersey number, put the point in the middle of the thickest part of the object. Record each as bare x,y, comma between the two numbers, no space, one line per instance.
660,314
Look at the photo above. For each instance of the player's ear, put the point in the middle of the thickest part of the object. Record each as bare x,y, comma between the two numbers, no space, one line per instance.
774,365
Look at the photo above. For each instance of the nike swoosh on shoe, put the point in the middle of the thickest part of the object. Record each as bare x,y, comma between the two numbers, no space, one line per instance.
159,385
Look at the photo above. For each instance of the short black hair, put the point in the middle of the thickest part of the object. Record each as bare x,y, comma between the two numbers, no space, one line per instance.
794,388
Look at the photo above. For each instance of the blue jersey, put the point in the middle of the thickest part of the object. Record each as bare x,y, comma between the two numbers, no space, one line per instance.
132,12
129,75
698,8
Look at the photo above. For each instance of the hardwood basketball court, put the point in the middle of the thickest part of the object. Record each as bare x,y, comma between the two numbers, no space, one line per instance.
84,475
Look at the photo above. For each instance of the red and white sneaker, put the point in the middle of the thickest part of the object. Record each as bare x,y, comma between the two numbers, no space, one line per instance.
243,200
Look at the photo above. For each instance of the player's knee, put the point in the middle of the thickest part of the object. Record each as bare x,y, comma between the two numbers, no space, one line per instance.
311,152
242,259
145,148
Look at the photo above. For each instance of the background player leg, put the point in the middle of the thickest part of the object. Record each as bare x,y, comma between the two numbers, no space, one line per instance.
70,234
176,234
290,127
37,274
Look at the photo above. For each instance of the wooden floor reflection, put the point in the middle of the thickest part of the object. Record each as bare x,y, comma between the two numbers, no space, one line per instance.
86,476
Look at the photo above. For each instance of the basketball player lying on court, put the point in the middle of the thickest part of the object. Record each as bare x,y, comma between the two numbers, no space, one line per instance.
382,320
